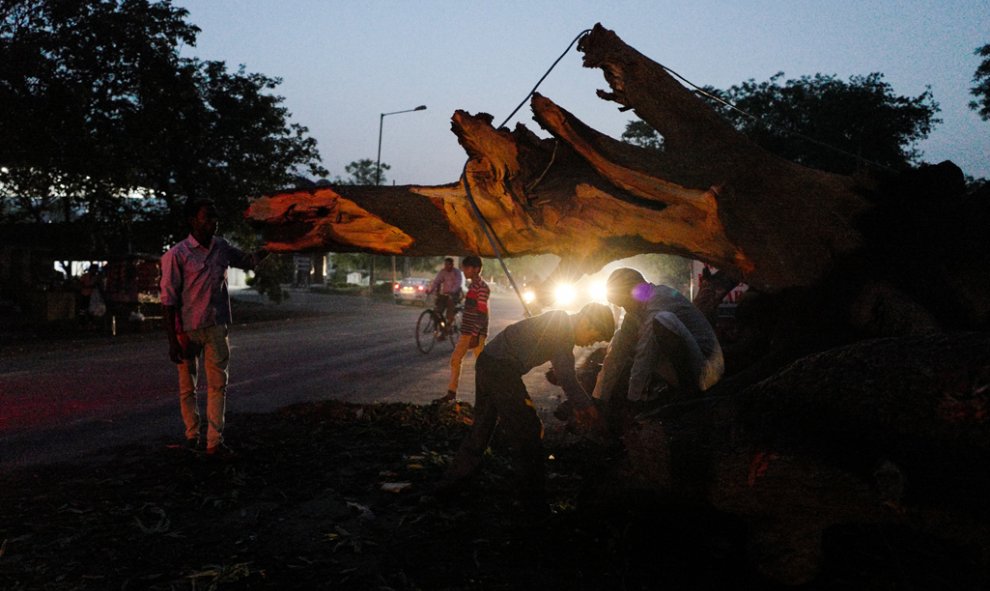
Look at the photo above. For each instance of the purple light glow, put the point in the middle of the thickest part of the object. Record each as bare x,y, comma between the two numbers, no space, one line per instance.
642,292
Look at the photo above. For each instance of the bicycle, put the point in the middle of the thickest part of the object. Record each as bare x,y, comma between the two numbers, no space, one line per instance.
431,327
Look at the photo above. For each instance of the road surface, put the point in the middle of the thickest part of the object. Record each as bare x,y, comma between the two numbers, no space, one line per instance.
70,401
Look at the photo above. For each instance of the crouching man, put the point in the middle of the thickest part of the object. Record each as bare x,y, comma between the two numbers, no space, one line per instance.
501,396
664,340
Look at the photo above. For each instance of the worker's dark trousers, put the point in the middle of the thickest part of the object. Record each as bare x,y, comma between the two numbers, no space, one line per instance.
501,398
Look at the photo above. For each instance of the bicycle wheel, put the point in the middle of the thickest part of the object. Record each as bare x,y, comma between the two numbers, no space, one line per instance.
426,331
454,334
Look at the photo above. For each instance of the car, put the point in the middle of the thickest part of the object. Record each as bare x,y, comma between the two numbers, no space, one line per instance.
411,290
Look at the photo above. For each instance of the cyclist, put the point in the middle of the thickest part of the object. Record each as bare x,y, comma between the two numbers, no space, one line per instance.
448,285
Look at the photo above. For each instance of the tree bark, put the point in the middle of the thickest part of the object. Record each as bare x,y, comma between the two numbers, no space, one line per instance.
711,195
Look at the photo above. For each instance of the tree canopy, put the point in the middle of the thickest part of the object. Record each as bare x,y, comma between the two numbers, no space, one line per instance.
362,172
981,79
829,124
639,133
100,107
821,121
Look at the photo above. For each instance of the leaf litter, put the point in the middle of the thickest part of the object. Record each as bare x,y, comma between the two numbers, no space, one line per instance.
331,495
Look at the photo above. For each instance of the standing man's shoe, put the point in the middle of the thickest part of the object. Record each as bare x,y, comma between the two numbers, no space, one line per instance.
220,452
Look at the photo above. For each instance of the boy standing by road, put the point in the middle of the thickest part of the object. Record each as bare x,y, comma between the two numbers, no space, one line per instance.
501,396
474,322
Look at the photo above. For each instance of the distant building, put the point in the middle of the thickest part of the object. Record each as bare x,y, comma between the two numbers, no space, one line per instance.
357,278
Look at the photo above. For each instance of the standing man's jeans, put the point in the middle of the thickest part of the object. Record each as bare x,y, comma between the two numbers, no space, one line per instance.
214,342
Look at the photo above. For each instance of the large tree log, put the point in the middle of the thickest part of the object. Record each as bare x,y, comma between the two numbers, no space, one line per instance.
711,195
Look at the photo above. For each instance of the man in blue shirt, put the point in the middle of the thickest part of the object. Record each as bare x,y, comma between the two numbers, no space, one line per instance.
663,337
197,317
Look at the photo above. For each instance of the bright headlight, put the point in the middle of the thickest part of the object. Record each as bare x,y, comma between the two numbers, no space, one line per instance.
529,296
564,294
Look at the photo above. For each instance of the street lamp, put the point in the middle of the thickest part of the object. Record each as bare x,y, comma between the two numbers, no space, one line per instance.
378,175
381,121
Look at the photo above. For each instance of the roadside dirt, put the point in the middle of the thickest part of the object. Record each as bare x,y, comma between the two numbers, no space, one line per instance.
307,504
331,495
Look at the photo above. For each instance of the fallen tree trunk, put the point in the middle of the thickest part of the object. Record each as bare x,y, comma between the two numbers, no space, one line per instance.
711,195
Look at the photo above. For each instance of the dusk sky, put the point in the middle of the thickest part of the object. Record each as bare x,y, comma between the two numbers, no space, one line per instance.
344,63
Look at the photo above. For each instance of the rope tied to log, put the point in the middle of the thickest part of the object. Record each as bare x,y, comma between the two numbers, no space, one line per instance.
486,226
499,248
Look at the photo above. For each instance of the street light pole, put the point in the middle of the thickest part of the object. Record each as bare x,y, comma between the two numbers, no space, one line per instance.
378,177
381,121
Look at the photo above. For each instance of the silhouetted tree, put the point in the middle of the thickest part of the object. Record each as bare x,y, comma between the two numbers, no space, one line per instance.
362,172
639,133
99,108
982,88
805,120
828,124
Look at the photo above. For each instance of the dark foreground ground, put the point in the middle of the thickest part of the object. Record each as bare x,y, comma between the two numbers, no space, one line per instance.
306,505
329,495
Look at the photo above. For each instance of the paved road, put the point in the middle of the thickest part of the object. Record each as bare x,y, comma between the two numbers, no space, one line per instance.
71,402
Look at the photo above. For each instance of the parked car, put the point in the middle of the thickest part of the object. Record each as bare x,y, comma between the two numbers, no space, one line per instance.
411,290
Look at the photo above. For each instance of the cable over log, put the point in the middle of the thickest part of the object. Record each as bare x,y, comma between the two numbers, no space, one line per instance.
710,194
